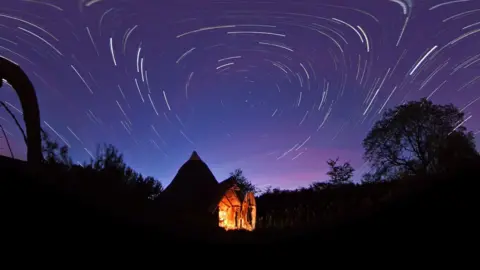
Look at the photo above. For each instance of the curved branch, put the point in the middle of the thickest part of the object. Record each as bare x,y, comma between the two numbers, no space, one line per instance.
20,82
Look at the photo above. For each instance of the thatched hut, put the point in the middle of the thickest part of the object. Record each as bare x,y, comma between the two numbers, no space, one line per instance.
195,198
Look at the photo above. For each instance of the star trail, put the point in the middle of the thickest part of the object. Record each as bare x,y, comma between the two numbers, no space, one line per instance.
273,87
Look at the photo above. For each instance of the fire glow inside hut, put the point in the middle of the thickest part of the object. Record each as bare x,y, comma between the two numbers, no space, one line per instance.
194,197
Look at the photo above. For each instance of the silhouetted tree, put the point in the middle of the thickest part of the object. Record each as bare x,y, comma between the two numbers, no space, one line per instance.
108,166
416,138
317,186
243,183
110,162
458,148
108,157
267,189
152,187
340,174
371,177
53,153
375,176
270,190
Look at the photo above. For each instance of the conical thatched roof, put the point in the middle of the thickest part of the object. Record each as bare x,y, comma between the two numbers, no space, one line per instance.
193,181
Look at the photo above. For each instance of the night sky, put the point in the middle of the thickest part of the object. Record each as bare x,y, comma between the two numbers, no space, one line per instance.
273,87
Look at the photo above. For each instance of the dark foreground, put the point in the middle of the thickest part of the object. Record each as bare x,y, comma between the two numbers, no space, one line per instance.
37,212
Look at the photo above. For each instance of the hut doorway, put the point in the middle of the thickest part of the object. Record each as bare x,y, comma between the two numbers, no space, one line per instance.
233,214
229,210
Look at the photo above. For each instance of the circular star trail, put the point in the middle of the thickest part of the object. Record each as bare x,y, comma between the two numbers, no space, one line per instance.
273,87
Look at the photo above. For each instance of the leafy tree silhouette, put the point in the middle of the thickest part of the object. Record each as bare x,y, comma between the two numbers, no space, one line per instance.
108,165
340,174
243,183
319,185
109,161
374,176
417,138
53,153
269,189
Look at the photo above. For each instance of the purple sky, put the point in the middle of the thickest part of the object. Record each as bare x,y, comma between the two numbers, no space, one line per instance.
273,87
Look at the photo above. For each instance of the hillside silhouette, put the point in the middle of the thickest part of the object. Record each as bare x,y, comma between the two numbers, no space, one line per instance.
421,185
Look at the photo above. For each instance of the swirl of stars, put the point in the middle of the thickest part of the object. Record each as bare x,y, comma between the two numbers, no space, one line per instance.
274,87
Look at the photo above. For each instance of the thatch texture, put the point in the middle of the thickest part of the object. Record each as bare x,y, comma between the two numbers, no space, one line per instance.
193,179
191,192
